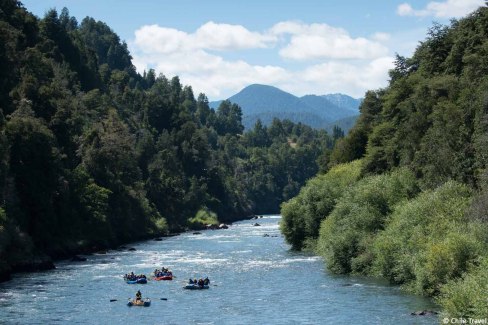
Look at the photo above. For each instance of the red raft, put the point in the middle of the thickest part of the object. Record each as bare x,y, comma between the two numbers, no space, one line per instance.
164,277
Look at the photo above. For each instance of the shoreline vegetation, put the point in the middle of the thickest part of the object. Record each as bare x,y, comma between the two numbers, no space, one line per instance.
406,194
94,154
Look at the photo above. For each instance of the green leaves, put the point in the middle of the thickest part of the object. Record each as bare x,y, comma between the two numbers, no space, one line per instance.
92,153
303,214
466,297
347,235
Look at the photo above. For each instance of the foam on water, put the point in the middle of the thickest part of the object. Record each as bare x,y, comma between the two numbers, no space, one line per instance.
242,252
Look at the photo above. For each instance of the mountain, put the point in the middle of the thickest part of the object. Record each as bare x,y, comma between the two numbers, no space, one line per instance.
267,102
344,101
345,124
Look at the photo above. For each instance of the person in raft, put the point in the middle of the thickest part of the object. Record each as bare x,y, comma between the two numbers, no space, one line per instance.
201,282
138,295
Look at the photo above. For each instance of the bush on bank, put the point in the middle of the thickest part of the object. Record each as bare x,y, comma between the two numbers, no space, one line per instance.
301,216
347,235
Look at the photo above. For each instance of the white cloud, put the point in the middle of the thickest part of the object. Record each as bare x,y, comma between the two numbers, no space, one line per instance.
341,63
354,79
319,41
446,9
156,39
381,37
229,37
210,36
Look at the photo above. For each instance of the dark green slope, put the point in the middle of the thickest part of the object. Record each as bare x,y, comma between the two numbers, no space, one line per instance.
93,154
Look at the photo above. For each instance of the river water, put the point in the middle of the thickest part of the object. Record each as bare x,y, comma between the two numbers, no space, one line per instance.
255,279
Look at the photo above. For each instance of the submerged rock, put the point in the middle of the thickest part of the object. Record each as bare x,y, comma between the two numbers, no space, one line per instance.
424,313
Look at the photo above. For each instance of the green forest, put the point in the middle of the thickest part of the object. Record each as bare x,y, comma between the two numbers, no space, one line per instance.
94,154
405,193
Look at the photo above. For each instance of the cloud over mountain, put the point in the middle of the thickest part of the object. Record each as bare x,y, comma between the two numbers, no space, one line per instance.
214,59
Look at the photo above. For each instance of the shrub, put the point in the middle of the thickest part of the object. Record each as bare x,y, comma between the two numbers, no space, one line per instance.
302,214
202,218
467,296
346,237
427,241
161,226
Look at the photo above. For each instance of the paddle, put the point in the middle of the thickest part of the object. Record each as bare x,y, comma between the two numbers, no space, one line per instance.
112,300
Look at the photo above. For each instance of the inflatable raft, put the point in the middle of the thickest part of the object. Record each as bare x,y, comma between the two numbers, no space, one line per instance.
140,281
146,302
195,287
164,277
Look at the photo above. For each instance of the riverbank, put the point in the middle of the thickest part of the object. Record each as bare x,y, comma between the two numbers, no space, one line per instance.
431,243
39,261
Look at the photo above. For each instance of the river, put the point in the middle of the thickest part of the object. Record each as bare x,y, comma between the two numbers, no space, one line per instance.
255,279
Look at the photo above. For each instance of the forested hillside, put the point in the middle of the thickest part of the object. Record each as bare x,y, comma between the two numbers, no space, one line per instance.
406,195
94,154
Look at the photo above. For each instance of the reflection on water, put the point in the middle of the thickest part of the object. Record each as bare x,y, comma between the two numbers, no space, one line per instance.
255,279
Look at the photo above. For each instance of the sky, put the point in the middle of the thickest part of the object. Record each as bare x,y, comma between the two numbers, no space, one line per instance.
300,46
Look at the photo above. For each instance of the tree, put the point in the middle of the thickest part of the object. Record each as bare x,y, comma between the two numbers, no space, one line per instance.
229,119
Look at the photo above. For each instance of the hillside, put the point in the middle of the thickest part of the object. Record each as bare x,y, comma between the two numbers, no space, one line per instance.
406,193
345,124
94,154
266,102
344,101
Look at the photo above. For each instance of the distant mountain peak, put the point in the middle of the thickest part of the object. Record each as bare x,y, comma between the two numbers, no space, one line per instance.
266,102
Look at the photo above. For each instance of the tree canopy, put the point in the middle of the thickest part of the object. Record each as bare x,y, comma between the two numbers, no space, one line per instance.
92,153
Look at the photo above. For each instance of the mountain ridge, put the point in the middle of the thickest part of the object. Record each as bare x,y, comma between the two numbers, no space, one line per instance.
265,102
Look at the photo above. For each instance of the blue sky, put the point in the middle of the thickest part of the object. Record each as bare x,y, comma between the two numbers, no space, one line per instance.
303,47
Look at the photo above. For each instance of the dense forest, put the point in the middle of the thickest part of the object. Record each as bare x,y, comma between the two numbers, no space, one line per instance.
93,154
406,193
